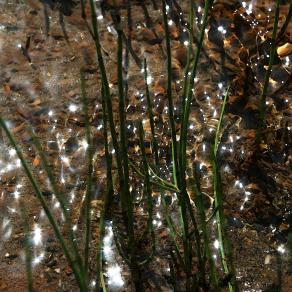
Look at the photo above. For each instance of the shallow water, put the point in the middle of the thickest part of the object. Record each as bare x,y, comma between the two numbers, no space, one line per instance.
40,83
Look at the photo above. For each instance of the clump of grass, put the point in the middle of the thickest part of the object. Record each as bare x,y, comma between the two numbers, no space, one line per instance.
191,237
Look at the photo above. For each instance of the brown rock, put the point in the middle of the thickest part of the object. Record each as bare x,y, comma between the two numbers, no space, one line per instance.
284,50
147,35
181,54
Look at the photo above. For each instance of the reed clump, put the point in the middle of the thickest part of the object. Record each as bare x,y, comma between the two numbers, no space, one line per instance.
190,237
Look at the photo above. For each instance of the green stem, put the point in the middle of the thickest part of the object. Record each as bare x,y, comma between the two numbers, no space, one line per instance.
169,97
151,116
186,110
201,209
149,227
176,175
189,56
89,176
126,197
172,230
224,244
106,96
106,205
262,115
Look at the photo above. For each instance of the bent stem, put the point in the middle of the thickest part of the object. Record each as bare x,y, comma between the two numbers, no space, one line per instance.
59,195
75,268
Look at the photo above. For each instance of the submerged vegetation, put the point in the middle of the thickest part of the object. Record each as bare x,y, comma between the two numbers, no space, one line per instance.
145,184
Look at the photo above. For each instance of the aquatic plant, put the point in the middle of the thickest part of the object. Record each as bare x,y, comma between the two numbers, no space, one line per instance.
190,236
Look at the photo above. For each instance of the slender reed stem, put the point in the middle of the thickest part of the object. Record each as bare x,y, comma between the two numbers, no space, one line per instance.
224,244
89,176
186,110
106,91
183,134
172,230
169,96
189,56
151,116
126,197
285,24
262,115
177,177
148,189
203,225
106,205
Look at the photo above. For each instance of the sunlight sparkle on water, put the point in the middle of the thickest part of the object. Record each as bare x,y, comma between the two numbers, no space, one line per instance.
73,108
115,277
37,235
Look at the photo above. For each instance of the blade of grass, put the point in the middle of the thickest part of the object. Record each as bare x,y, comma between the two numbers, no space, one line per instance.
161,185
149,226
